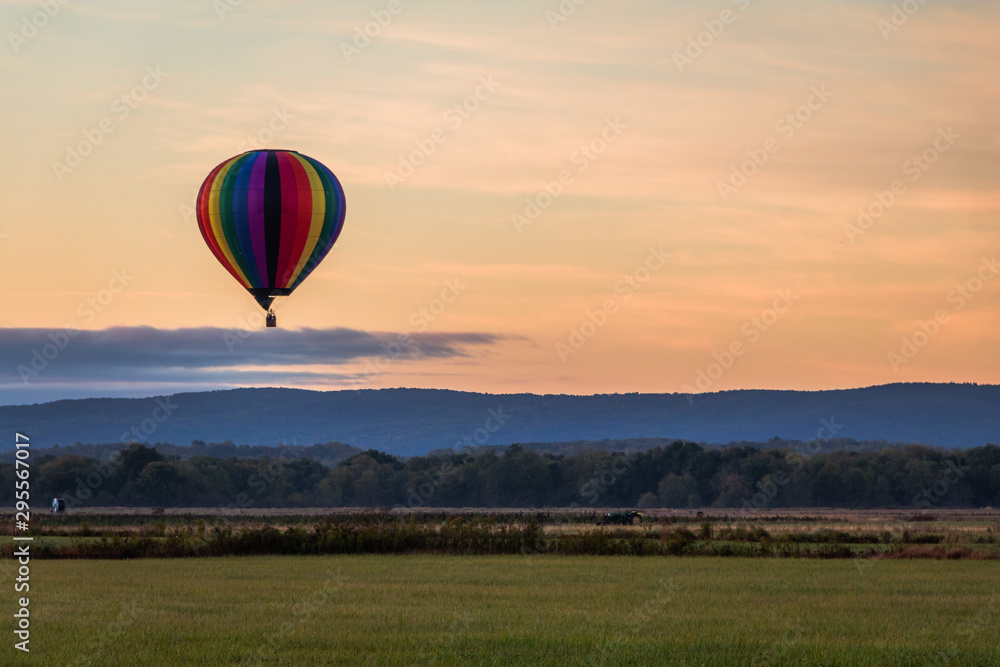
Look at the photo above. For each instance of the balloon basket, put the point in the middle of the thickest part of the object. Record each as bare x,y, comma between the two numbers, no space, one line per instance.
272,320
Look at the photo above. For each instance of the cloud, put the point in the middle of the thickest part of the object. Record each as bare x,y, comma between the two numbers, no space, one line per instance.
217,356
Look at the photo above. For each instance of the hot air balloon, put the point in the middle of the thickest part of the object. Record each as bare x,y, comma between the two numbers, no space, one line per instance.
270,217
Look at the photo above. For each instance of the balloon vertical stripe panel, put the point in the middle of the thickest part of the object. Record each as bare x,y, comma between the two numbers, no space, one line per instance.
210,226
236,191
231,216
309,231
332,222
289,212
270,217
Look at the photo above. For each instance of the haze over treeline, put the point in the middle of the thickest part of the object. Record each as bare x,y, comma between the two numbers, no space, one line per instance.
680,475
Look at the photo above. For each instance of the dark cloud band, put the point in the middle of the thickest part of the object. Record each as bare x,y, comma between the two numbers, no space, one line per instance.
37,357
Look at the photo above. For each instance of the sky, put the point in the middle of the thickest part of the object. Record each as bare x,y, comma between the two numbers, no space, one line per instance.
575,197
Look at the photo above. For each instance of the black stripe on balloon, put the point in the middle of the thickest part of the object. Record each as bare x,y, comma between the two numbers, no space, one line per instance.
272,216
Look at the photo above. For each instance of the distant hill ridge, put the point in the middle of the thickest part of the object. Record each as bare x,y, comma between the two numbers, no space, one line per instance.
416,421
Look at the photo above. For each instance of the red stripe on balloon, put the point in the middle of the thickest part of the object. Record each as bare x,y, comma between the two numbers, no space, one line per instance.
289,213
204,218
303,219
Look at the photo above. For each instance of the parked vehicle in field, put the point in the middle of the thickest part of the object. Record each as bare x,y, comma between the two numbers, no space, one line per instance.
629,518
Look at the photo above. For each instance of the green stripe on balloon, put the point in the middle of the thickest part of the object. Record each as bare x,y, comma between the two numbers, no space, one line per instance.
226,218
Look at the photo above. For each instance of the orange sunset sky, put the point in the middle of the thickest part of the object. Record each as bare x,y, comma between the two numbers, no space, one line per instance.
593,198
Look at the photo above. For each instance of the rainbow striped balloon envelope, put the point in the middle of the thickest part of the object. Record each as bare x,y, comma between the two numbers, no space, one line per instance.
270,217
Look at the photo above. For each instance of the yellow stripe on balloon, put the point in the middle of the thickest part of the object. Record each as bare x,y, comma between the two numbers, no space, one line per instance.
216,218
318,214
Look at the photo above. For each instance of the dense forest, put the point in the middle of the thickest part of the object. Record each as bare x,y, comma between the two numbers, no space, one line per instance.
679,475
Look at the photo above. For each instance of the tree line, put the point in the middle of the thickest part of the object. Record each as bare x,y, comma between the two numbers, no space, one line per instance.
679,475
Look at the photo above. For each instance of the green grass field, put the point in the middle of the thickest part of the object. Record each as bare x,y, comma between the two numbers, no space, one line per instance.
512,609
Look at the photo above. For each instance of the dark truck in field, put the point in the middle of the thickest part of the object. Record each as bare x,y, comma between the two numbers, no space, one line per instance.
629,518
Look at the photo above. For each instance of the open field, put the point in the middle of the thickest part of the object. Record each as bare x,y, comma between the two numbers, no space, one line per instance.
117,534
806,513
547,610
